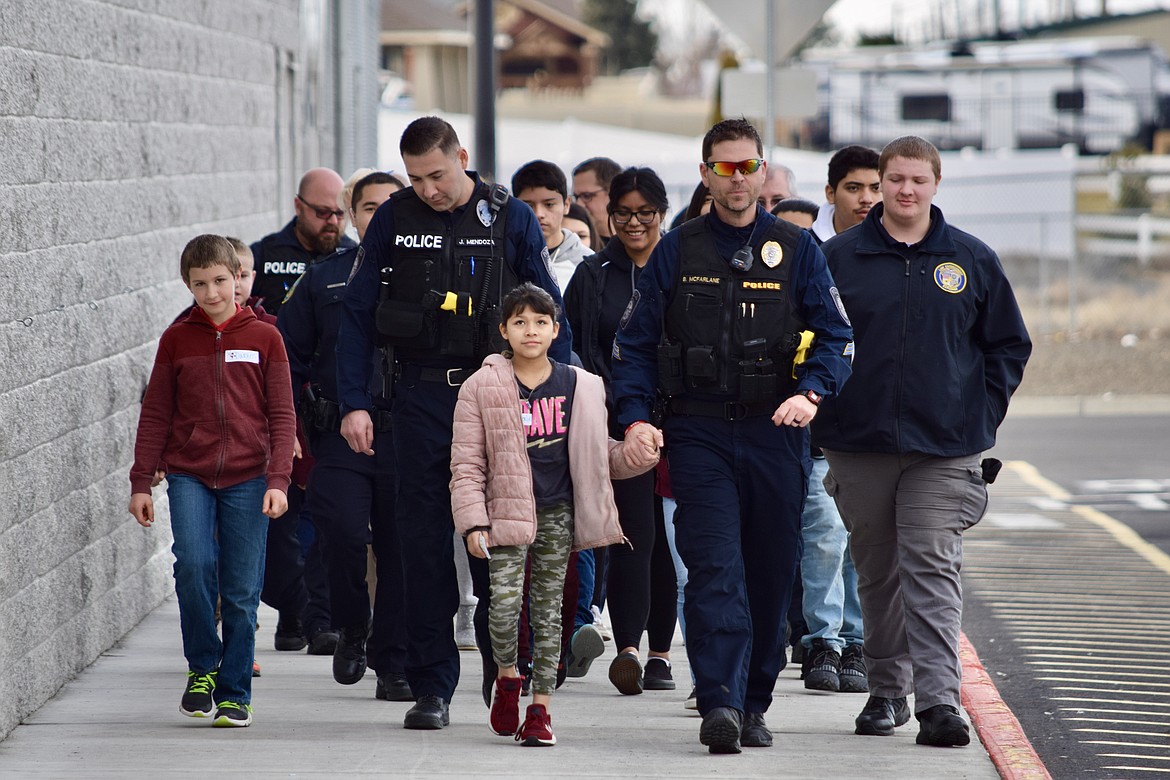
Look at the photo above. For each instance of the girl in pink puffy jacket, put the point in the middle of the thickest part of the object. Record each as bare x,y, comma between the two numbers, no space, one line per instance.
531,464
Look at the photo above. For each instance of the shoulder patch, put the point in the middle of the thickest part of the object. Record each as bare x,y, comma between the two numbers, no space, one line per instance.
840,305
292,289
631,307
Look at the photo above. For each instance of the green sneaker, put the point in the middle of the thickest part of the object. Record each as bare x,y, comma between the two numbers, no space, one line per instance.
232,714
197,699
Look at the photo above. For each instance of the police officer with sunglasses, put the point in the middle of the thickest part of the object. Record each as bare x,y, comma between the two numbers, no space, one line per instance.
317,231
710,335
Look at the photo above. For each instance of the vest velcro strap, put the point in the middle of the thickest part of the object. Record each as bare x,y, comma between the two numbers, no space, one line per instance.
724,410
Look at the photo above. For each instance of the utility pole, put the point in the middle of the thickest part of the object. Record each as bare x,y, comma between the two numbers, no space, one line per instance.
485,89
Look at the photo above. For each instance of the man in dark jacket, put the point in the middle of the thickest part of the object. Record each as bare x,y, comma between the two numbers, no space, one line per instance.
941,346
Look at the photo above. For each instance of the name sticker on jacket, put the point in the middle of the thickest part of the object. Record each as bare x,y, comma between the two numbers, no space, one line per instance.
241,356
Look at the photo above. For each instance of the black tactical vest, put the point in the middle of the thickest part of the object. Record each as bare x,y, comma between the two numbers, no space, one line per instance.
442,286
731,334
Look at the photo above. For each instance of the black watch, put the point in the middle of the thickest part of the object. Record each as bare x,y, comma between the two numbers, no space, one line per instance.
812,395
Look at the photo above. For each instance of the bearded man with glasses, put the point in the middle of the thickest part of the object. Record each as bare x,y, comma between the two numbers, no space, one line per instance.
317,231
712,330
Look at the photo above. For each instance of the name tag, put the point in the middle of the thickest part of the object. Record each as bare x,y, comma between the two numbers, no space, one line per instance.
241,356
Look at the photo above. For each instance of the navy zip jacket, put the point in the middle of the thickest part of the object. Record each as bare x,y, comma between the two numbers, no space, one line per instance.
940,342
810,288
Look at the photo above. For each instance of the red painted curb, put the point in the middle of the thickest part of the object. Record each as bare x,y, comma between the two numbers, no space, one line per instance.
998,730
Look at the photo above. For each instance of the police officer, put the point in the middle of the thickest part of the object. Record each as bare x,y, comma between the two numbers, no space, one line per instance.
432,269
712,328
317,230
351,496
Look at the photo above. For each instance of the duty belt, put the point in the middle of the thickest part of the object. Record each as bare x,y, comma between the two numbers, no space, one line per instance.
452,377
327,410
724,410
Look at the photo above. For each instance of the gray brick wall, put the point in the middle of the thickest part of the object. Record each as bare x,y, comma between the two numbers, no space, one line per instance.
128,127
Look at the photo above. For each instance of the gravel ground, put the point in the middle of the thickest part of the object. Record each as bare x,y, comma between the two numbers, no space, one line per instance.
1097,366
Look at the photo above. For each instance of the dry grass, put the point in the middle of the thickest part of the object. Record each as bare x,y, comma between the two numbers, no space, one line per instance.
1104,310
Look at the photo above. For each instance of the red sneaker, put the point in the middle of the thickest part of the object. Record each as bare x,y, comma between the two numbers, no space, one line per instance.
505,717
537,728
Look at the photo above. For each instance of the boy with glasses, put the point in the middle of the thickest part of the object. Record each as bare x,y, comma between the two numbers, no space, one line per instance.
591,189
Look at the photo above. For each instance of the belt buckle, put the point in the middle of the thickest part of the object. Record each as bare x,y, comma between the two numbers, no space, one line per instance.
451,382
734,411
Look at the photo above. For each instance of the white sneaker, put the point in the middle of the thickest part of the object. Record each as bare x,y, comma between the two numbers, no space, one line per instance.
599,625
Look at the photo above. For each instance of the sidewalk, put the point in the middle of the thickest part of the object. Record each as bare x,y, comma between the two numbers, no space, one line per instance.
120,718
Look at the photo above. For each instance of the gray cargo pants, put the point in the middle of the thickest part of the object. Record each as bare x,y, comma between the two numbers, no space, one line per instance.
906,515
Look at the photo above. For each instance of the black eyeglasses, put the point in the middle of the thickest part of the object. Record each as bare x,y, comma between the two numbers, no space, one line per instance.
622,216
587,196
726,168
322,213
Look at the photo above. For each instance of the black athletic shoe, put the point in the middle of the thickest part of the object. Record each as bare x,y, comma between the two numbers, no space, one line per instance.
942,726
393,687
881,716
854,678
625,672
720,730
822,667
754,732
428,713
656,676
198,697
290,635
323,641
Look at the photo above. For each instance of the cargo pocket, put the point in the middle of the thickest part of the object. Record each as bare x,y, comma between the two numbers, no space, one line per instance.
975,498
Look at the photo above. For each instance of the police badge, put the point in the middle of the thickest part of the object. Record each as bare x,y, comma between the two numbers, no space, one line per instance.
484,212
772,254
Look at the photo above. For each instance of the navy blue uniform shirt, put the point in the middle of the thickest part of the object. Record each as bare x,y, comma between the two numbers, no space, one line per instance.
524,249
810,288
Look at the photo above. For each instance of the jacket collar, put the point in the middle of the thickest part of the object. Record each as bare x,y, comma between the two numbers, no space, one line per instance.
873,239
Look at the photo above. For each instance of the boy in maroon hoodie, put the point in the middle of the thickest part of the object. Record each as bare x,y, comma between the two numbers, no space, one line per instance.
218,420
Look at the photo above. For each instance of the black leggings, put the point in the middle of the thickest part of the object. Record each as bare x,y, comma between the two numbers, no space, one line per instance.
642,595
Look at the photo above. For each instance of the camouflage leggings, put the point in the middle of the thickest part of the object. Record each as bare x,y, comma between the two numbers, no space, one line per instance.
549,554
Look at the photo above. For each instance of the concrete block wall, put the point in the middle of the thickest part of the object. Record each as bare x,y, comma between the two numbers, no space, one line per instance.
128,127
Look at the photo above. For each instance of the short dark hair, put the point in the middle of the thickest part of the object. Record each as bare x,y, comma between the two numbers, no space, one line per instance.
731,130
426,133
604,169
850,158
540,173
911,147
645,182
527,296
577,211
206,251
796,204
698,197
242,249
377,177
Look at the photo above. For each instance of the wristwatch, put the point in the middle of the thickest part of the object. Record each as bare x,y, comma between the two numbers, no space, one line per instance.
812,395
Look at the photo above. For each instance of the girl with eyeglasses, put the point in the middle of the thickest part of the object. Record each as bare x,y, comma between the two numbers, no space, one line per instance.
595,300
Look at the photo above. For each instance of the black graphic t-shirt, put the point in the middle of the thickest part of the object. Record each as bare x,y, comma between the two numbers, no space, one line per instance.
544,411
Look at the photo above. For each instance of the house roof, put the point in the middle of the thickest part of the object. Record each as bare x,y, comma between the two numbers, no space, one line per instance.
441,16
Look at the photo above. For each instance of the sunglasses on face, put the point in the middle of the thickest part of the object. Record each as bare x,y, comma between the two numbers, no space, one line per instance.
322,213
623,216
725,168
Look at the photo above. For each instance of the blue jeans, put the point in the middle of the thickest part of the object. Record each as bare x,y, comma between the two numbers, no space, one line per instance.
220,538
831,607
585,583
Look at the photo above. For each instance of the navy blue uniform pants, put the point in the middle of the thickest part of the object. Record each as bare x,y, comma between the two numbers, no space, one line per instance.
740,487
423,413
352,499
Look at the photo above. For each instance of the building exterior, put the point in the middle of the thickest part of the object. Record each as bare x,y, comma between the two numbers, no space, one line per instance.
543,45
128,129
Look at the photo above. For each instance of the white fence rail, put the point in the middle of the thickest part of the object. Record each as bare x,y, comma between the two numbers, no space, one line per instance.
1133,237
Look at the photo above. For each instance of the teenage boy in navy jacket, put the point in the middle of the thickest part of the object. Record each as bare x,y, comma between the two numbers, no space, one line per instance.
941,346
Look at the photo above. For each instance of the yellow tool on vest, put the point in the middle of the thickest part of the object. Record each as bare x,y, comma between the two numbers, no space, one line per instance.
806,340
450,303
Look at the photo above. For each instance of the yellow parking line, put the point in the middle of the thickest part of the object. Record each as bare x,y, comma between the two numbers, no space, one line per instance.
1118,530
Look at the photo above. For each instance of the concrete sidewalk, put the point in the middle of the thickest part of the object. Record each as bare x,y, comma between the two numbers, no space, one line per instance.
121,718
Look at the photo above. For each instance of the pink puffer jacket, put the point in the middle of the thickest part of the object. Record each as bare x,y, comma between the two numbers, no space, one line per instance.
491,478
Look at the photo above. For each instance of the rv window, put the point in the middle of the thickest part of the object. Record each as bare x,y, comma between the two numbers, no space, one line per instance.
1069,100
926,107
